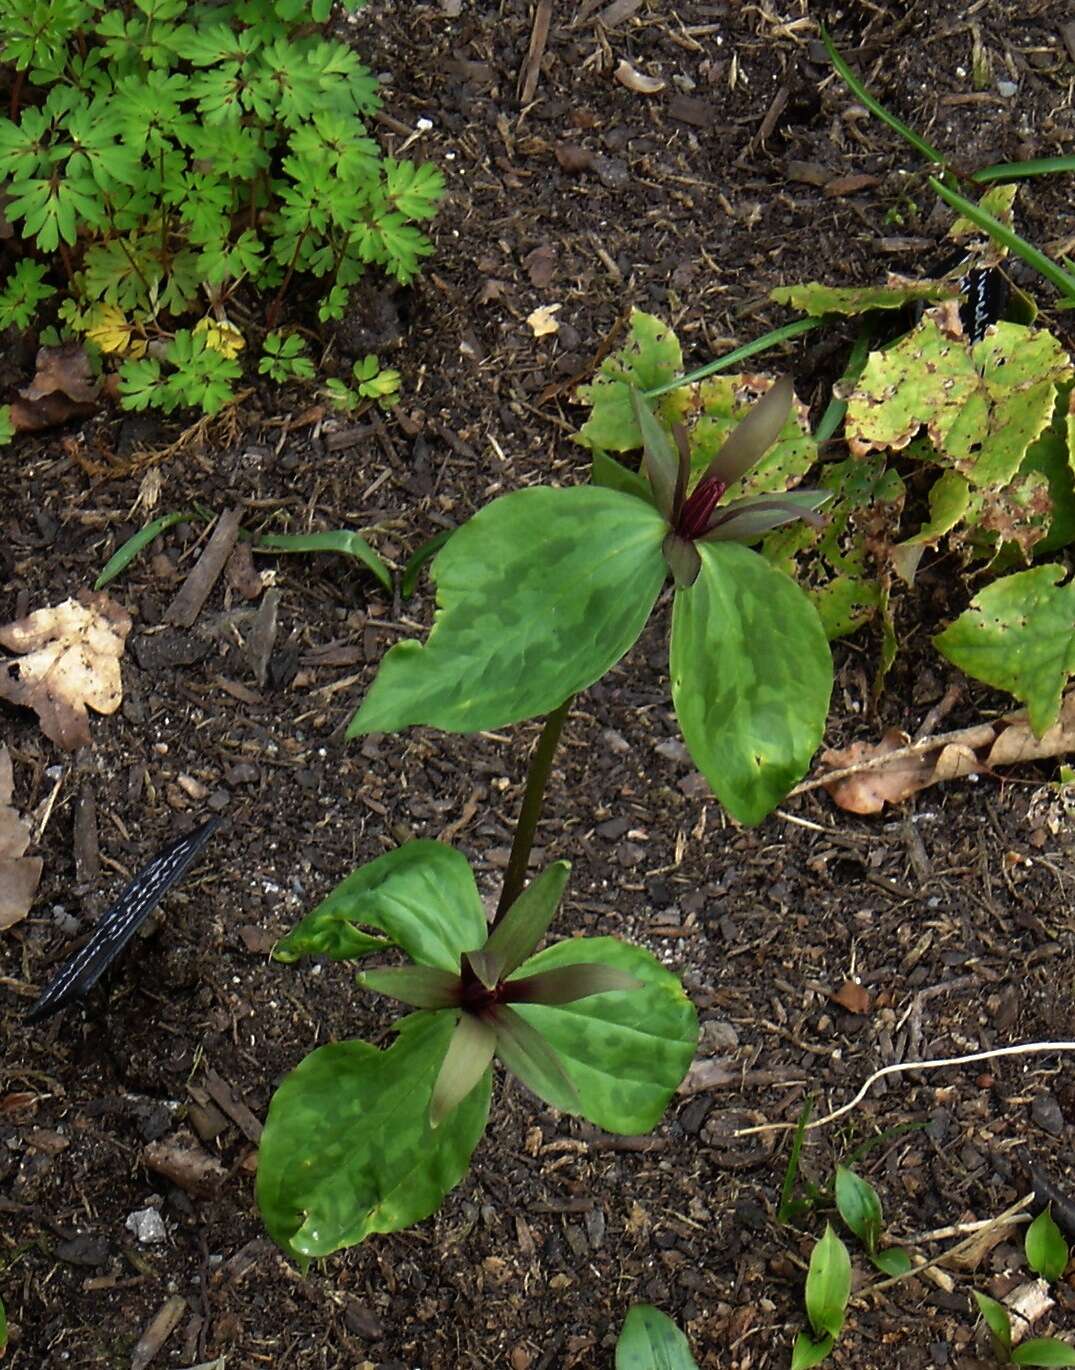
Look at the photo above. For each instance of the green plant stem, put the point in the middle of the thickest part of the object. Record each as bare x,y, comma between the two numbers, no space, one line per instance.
278,298
771,339
537,777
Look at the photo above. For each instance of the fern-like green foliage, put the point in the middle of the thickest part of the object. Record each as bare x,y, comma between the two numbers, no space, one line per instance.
161,153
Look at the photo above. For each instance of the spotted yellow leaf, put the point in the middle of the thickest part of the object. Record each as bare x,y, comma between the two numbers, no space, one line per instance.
221,335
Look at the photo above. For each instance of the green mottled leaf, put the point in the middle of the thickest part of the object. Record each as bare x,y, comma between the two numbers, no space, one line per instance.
123,556
1053,456
806,1352
422,896
1019,635
828,1284
948,501
625,1051
540,593
348,1149
568,983
338,540
1043,1351
651,358
998,1322
816,299
859,1206
982,405
1046,1249
751,678
650,1340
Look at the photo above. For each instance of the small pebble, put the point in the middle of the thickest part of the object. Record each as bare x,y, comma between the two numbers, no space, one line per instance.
148,1226
1045,1113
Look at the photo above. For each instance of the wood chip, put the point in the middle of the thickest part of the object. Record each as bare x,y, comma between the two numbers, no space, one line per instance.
180,1158
618,12
687,109
225,1098
849,185
539,36
262,639
187,605
87,855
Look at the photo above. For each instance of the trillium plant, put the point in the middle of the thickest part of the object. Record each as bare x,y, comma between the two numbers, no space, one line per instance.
539,595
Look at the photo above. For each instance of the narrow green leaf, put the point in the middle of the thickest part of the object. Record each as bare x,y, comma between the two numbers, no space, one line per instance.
123,556
828,1284
408,581
752,437
858,1205
338,540
1019,635
1033,166
806,1352
650,1340
660,461
540,593
751,678
419,986
1046,1249
928,151
750,519
466,1061
526,922
422,895
998,1322
626,1053
893,1261
786,1210
785,333
347,1148
3,1327
1001,233
570,983
529,1057
1043,1351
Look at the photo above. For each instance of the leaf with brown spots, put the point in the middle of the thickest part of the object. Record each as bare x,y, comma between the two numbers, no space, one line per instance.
68,659
19,874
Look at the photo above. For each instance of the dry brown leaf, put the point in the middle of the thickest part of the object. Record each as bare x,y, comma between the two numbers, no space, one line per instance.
19,874
635,80
852,997
69,658
543,321
949,756
63,388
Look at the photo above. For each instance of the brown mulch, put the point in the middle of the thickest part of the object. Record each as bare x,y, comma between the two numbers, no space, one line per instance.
750,168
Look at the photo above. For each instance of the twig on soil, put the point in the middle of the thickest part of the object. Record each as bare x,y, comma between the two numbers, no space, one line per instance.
1021,1049
966,736
943,1234
539,36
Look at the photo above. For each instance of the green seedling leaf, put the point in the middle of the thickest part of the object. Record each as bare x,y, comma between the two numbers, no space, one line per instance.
338,540
408,581
650,1340
817,299
348,1149
539,594
651,358
828,1285
1046,1249
470,1052
419,986
1018,635
892,1261
525,923
422,896
789,1206
751,678
1007,237
949,500
859,1206
982,405
999,1324
123,556
1043,1351
1033,166
806,1352
626,1050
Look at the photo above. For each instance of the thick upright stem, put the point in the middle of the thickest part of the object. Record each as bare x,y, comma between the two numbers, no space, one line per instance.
537,777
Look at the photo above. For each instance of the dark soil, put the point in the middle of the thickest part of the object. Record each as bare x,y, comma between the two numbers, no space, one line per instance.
954,914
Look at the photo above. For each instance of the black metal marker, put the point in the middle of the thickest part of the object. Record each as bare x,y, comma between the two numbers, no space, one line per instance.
117,926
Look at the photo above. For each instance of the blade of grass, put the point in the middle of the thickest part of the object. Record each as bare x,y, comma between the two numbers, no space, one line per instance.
836,409
927,150
1001,233
791,1173
773,338
408,582
338,540
122,558
1014,171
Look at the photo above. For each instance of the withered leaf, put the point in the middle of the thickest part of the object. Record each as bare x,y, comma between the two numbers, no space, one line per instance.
69,658
852,997
19,874
63,388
